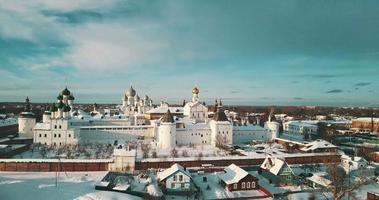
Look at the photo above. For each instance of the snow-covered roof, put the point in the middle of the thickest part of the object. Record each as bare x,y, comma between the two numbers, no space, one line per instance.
320,180
366,119
233,174
172,170
273,164
318,144
163,109
8,121
354,159
124,152
303,123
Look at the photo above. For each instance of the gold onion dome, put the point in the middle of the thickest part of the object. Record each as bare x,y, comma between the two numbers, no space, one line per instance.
195,90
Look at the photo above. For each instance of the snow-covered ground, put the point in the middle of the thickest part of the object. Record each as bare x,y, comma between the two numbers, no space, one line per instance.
41,185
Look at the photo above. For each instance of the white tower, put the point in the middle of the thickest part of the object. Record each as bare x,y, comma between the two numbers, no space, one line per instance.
167,132
26,121
221,129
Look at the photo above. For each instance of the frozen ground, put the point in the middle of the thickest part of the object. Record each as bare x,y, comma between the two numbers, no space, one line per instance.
73,185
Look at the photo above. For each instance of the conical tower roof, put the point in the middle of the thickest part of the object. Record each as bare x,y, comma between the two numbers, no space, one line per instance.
167,117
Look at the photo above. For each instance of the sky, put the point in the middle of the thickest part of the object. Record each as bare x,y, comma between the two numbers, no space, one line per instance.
248,52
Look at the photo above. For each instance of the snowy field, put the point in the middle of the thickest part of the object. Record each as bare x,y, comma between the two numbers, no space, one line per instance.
41,185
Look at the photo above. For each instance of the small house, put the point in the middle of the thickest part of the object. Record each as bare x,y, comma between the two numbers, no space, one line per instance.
277,171
175,179
235,178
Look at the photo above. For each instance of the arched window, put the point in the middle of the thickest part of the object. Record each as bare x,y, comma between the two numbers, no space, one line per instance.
248,185
252,184
243,185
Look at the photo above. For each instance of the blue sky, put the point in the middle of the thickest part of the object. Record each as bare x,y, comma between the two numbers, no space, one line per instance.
247,52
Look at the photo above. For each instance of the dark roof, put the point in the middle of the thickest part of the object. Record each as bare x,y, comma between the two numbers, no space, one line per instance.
71,97
60,104
60,97
27,115
220,115
167,117
66,91
66,108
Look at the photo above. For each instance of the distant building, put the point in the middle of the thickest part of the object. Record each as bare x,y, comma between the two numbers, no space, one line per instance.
319,182
175,179
318,146
300,129
277,171
366,124
235,178
353,163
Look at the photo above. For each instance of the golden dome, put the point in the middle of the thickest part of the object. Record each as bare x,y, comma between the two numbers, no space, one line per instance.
195,90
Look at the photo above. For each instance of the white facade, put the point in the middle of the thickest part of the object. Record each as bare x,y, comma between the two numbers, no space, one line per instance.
246,134
166,135
300,128
25,126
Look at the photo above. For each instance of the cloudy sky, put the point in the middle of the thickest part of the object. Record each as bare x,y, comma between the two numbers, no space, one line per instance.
291,52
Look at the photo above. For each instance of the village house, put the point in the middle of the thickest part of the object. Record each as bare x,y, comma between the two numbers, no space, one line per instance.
318,146
175,179
235,178
277,171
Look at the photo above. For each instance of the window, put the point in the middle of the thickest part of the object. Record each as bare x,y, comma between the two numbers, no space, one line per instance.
180,177
182,185
59,135
40,135
45,135
252,184
174,177
69,135
55,126
243,185
60,126
248,185
55,135
172,185
235,186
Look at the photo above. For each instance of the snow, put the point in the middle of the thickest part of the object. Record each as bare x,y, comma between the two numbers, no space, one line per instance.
273,164
104,195
173,169
233,174
41,185
318,144
216,191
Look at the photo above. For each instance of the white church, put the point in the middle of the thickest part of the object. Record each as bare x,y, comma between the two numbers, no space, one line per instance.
187,125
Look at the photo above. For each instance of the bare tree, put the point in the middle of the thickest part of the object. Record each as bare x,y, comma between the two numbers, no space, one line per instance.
145,150
174,153
185,153
221,142
200,156
338,176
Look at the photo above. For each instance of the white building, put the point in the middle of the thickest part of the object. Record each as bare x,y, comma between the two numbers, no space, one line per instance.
26,121
353,163
55,127
175,178
187,125
300,129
